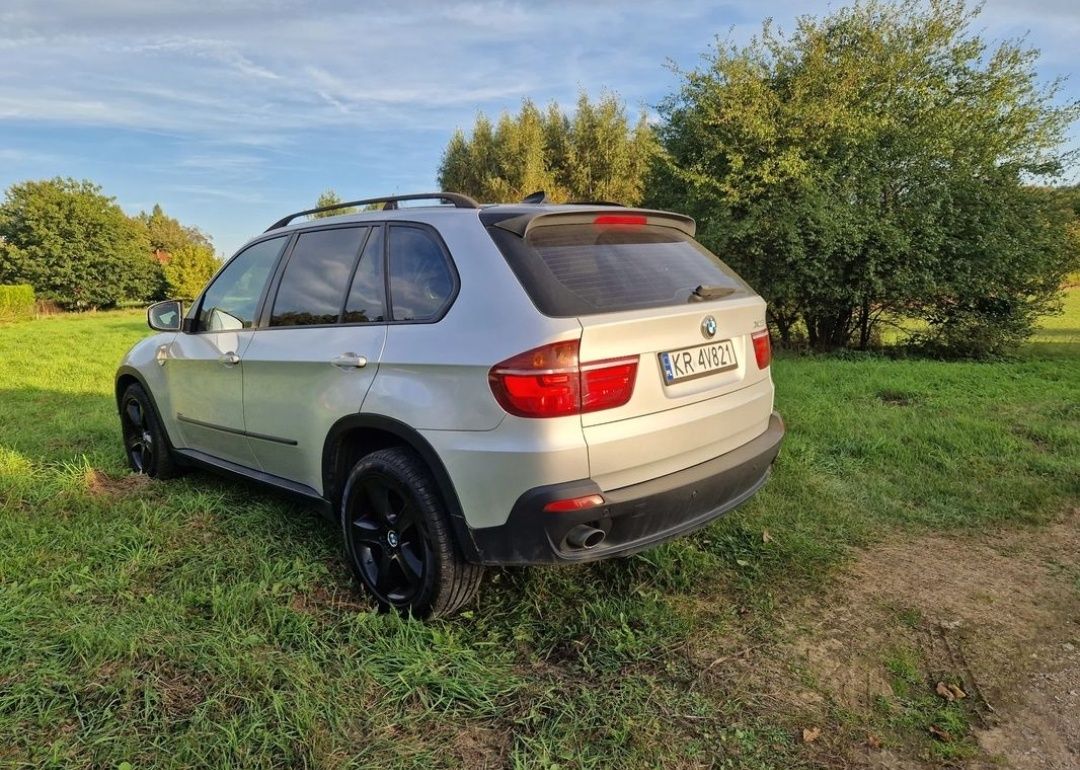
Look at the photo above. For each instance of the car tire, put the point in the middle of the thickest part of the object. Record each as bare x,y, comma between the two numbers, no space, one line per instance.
146,446
398,539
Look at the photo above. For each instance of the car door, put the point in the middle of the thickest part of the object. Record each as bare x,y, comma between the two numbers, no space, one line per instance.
203,369
316,353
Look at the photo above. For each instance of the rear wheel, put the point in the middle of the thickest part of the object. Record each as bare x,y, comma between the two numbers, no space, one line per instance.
145,444
398,540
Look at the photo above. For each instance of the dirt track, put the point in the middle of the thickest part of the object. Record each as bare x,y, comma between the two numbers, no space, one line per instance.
1000,613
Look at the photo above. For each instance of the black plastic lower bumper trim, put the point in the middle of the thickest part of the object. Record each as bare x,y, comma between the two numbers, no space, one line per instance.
633,517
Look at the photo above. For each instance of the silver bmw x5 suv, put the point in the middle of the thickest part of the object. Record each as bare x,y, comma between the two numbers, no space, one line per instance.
464,385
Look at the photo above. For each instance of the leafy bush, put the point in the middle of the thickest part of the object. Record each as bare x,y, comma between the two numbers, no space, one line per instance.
74,245
16,302
1000,276
872,165
188,269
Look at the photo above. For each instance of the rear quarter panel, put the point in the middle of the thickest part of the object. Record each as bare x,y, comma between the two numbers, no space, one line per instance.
434,377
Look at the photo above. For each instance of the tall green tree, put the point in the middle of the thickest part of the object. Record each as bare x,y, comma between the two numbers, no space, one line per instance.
330,198
188,270
593,154
166,234
74,245
873,164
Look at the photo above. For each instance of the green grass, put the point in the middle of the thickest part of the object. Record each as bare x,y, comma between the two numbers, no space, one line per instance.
205,622
942,728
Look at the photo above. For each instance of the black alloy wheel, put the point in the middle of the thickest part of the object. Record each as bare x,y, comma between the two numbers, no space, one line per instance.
138,440
398,538
389,543
145,445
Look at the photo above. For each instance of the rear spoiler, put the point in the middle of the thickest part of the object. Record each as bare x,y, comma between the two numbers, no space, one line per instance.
521,224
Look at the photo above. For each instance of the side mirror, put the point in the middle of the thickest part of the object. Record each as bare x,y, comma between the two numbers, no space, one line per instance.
165,316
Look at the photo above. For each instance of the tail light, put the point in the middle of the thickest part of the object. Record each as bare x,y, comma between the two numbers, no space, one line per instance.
762,348
549,381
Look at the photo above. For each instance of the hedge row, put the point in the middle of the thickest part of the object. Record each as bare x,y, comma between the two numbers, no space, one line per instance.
16,302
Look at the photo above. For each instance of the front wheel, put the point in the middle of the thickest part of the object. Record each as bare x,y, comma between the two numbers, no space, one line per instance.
398,540
145,444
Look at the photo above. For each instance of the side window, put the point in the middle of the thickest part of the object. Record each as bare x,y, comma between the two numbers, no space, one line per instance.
367,297
420,279
229,304
312,289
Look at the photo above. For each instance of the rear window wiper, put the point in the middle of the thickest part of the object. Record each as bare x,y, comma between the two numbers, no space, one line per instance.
703,292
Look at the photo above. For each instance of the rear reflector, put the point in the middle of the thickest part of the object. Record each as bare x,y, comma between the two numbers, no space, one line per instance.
620,219
762,348
548,381
574,504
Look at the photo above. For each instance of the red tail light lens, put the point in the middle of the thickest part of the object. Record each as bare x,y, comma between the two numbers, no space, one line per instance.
762,348
607,384
542,382
549,382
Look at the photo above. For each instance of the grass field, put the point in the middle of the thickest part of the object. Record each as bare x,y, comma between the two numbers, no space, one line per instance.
205,623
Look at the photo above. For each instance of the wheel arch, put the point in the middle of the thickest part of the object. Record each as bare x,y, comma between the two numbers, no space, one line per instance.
126,376
356,435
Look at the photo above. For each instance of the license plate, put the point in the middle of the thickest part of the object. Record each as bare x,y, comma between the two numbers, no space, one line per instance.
699,361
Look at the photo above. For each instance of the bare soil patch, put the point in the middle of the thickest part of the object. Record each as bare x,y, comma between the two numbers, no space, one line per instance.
98,483
997,614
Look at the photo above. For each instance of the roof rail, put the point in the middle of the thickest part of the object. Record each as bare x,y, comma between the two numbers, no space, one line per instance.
389,202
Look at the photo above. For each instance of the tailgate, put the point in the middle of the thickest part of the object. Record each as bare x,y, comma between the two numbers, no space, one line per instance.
678,416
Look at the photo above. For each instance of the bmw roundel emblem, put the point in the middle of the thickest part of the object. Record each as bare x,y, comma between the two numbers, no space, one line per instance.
708,327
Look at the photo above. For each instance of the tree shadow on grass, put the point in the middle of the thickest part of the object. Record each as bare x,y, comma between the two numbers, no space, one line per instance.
57,432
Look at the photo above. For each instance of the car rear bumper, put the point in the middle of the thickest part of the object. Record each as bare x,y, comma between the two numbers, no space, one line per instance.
633,517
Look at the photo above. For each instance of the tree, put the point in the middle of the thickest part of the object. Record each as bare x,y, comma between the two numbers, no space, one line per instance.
74,245
330,198
188,270
594,155
167,235
872,165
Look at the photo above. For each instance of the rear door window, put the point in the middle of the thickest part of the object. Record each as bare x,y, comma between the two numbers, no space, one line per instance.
421,280
585,269
312,289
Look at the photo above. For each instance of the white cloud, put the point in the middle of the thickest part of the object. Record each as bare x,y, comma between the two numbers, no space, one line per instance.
292,66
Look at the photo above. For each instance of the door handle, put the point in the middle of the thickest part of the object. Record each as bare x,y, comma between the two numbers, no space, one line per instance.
349,361
229,359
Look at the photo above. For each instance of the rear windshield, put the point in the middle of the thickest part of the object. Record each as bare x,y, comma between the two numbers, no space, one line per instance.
584,269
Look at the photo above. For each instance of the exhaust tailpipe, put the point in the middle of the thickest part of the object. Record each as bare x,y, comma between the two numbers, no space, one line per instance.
584,536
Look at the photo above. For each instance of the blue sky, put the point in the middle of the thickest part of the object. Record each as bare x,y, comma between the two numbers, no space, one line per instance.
233,113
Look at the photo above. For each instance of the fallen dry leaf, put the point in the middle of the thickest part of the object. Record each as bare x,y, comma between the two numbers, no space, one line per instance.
944,692
765,536
940,734
810,734
873,741
957,692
